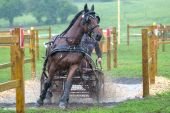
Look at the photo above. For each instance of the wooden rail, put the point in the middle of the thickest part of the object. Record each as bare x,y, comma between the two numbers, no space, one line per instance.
9,85
105,45
48,32
17,66
29,42
131,27
164,40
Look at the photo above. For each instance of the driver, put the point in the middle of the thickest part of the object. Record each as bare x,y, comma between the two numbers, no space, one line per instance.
90,44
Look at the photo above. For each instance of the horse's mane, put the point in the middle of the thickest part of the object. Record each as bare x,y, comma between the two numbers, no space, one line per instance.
72,22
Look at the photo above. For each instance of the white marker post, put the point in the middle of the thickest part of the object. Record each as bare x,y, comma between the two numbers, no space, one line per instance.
118,9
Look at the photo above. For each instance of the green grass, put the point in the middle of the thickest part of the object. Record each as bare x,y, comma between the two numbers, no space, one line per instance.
134,12
129,62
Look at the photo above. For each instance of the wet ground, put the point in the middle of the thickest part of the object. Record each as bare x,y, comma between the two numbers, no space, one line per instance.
116,90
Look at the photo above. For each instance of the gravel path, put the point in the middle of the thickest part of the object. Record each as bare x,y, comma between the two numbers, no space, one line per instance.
116,90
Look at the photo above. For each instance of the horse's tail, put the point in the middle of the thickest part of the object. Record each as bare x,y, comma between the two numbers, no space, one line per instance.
44,68
45,62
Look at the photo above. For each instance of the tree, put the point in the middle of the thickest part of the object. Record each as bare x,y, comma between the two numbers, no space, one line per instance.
66,8
52,10
9,9
92,0
36,7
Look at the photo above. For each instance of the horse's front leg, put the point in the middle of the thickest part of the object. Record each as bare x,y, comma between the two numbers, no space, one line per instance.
67,87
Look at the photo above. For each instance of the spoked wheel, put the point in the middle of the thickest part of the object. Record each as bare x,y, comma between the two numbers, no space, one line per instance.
97,87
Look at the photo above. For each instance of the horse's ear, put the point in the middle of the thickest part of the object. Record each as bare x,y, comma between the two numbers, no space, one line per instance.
92,7
86,8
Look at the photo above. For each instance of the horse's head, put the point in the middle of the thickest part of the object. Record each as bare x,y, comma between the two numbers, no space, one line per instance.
90,22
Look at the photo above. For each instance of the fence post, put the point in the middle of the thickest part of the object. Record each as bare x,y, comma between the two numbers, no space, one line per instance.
128,34
145,64
101,42
163,39
13,57
156,56
32,53
20,92
49,33
153,55
37,44
114,47
108,50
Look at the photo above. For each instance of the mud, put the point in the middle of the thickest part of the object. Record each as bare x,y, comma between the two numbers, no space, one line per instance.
116,90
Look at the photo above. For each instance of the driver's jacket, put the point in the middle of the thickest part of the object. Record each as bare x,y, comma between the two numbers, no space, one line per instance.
90,44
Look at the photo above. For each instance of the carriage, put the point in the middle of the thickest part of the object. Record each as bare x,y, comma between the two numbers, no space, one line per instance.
86,83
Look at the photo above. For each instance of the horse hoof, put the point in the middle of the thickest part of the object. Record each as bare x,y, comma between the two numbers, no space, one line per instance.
62,105
39,103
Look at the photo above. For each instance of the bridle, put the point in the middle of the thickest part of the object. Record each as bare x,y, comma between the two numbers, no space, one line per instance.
90,28
90,31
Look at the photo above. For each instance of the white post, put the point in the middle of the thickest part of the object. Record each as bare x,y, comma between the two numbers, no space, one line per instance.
118,6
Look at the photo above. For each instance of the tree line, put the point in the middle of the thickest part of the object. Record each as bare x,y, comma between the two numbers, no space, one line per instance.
93,0
45,11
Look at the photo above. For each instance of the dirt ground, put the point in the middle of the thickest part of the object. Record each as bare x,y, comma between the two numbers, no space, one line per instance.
116,90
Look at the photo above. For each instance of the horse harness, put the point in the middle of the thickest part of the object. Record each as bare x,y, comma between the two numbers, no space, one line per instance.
66,48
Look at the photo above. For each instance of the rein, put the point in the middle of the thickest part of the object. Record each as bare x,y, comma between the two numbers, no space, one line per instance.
91,28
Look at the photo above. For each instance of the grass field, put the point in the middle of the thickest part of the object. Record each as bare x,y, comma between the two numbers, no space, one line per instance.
134,12
129,62
129,65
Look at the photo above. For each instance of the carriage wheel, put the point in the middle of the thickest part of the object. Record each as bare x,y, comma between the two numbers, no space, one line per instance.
99,85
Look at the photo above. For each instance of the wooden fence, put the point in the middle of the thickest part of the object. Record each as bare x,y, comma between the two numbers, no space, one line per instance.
38,37
149,58
48,30
30,41
17,65
163,29
133,27
105,45
150,43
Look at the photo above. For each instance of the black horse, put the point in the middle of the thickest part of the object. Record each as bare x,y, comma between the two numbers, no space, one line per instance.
65,52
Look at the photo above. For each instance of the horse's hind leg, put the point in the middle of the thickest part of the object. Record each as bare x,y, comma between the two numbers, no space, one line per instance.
40,101
67,87
47,85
